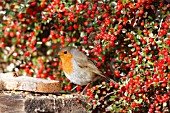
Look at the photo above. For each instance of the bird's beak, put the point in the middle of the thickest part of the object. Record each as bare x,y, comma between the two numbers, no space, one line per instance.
59,54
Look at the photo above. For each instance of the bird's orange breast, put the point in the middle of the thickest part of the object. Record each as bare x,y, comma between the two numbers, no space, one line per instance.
67,65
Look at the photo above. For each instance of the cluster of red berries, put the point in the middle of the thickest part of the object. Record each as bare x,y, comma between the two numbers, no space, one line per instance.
128,40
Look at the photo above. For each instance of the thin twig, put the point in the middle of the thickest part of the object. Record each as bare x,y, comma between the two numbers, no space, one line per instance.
12,49
108,94
160,25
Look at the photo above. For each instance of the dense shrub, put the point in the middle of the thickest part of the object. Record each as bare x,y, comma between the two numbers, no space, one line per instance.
128,40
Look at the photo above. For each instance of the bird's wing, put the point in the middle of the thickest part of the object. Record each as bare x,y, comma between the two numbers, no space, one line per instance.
85,63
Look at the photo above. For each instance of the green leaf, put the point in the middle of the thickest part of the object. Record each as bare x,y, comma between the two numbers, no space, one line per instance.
140,101
150,63
133,49
98,91
130,45
96,96
116,109
138,42
139,31
116,26
150,17
112,98
56,6
123,2
49,51
133,96
110,108
14,41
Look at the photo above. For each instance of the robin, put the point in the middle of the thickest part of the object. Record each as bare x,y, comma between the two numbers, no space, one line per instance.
77,67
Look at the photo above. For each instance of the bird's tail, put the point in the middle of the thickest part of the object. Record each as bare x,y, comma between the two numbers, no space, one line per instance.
107,78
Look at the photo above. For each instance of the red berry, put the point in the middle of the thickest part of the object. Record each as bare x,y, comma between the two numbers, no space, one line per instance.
20,16
142,23
130,36
85,38
27,53
44,40
69,40
116,85
94,103
78,88
75,26
111,84
12,34
120,27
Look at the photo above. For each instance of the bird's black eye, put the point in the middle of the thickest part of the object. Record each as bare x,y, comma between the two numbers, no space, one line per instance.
65,52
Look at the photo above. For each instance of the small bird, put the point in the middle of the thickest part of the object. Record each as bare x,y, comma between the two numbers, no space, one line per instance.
77,67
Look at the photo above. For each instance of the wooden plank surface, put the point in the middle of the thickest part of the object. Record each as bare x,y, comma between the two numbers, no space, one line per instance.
17,103
11,104
9,82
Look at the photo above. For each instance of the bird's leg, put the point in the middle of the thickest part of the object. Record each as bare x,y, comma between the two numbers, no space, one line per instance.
85,88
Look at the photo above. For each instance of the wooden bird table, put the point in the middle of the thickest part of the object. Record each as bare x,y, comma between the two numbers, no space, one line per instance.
24,94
